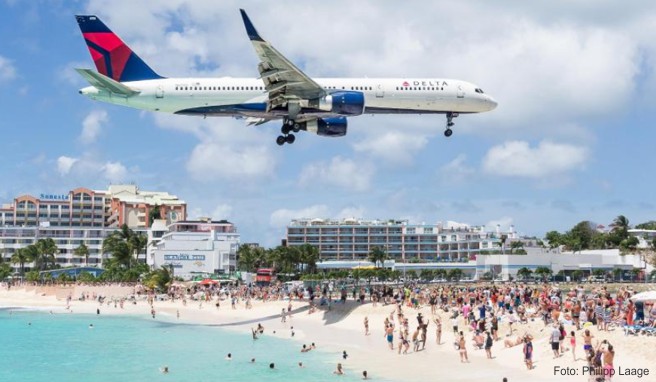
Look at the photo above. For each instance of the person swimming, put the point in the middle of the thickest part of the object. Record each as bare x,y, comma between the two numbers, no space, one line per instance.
164,369
228,357
339,370
365,375
272,365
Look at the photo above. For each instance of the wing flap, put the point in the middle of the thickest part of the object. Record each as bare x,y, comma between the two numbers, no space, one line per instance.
103,82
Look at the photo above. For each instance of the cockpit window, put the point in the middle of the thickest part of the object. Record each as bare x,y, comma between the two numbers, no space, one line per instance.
478,90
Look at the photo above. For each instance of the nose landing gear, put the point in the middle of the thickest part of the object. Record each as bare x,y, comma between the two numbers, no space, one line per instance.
449,123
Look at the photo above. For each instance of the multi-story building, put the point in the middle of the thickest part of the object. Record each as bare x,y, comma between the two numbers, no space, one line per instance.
82,216
67,240
352,239
194,247
82,207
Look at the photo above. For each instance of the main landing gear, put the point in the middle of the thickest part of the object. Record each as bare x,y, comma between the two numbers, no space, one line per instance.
449,122
288,126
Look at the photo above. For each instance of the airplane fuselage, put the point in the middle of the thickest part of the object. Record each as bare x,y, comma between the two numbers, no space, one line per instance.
247,97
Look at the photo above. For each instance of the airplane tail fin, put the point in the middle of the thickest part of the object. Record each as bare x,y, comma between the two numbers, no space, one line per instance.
113,58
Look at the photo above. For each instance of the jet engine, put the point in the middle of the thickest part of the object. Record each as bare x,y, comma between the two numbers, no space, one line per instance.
327,127
341,102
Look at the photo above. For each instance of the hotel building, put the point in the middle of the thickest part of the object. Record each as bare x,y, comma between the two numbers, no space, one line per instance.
82,216
352,239
82,207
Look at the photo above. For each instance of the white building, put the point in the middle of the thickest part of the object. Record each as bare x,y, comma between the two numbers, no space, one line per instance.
506,266
353,239
194,247
67,240
587,261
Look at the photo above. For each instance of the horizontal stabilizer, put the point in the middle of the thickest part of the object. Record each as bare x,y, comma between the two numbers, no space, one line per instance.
105,83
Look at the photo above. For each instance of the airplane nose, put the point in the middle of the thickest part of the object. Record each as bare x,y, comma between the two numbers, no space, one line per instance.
492,103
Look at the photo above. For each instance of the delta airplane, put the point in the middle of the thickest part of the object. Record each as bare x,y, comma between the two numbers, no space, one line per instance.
282,92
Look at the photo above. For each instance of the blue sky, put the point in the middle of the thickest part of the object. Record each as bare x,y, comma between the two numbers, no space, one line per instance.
572,138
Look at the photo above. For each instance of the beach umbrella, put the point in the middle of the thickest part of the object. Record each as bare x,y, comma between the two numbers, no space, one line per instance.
208,282
645,296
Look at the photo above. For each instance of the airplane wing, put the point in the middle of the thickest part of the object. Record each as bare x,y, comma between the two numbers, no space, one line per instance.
283,80
105,83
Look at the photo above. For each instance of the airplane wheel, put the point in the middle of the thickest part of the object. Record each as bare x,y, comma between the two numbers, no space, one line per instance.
280,140
448,132
296,128
290,138
290,122
285,129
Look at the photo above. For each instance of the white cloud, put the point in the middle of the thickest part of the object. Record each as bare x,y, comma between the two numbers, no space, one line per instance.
517,158
351,212
222,211
282,217
114,172
68,74
339,172
211,160
87,168
92,126
64,164
7,69
457,170
397,147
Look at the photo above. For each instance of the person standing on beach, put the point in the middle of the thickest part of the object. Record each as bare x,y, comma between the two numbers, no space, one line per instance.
554,340
389,333
488,345
528,352
462,348
366,326
438,330
283,315
608,357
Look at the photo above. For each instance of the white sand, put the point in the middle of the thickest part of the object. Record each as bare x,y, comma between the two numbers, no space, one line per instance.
342,329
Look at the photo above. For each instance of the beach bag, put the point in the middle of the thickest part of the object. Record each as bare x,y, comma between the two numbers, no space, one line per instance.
456,345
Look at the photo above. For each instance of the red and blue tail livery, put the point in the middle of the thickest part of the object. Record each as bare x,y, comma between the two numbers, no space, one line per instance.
113,58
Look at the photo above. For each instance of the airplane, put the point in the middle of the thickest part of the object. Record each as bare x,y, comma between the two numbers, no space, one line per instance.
281,92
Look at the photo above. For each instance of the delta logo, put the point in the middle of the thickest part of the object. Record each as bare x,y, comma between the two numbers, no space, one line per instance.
406,84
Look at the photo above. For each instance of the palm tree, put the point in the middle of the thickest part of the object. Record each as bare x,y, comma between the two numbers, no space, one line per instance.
46,250
377,255
118,248
125,245
621,226
22,256
516,245
455,274
83,251
309,255
524,273
543,272
246,258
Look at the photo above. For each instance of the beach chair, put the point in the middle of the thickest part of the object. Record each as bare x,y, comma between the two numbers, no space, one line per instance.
649,331
632,329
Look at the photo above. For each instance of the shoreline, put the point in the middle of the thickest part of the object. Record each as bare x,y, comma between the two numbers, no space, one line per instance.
341,329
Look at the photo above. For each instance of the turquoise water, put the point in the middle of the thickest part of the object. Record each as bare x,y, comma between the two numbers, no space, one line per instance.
61,347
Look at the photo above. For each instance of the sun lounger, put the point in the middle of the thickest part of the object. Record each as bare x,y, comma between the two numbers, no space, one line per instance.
632,329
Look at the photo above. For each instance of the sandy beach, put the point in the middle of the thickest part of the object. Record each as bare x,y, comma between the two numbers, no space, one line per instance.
341,329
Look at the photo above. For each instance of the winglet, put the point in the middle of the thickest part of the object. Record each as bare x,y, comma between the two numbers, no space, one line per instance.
250,29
